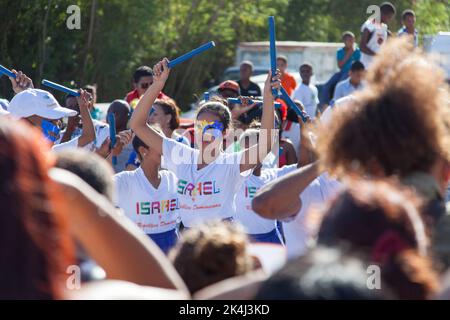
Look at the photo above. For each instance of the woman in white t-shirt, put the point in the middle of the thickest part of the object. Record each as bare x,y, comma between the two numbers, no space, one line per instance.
258,228
208,178
148,196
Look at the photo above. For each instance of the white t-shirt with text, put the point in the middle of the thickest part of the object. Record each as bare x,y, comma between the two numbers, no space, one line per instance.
154,210
254,223
208,193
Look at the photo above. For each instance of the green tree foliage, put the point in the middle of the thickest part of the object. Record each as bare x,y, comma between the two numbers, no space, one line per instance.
117,36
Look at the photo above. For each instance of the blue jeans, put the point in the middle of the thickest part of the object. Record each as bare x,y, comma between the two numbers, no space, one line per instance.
165,240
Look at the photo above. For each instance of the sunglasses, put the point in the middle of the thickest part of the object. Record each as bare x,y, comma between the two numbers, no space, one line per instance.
214,128
145,85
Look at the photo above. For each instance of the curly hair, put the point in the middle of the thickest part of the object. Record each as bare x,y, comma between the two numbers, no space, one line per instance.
210,253
380,220
398,125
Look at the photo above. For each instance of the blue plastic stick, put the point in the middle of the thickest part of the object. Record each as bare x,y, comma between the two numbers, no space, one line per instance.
112,133
292,104
250,101
273,51
191,54
206,96
60,88
7,72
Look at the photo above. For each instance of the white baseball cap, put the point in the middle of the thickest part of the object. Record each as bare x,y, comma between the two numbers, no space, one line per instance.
40,103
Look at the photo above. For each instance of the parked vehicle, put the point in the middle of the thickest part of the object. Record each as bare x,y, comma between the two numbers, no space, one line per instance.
322,56
439,46
232,73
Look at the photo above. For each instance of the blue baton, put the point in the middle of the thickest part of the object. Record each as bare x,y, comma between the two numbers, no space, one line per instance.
60,88
191,54
7,72
112,134
273,51
292,104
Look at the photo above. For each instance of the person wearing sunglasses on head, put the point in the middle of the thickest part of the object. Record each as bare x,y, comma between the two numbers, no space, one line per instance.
142,79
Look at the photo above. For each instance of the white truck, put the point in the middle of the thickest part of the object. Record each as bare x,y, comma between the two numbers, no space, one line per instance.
439,46
321,55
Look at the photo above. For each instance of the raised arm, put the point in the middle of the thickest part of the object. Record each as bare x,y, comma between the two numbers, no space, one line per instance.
139,118
88,133
113,241
266,138
280,199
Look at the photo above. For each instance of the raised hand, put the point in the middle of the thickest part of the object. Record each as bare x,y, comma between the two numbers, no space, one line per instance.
84,100
238,110
272,82
161,72
21,82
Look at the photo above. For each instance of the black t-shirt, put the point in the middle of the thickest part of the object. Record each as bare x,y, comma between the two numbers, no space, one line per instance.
253,90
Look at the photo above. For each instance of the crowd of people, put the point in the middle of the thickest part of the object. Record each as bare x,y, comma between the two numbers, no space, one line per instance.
251,201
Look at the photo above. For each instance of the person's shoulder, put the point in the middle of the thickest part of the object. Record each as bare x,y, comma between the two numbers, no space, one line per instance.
285,170
100,124
369,25
254,84
73,143
289,76
126,175
169,175
342,83
131,95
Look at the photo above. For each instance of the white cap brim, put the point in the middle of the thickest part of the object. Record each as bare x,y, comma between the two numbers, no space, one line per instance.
57,113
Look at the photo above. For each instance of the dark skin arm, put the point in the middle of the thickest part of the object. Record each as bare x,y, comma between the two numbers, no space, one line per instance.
280,198
348,54
88,133
363,44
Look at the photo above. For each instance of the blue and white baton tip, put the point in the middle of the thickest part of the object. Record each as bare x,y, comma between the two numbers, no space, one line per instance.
7,72
191,54
61,88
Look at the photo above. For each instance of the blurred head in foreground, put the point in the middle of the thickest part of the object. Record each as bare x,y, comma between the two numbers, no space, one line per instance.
35,244
210,253
380,221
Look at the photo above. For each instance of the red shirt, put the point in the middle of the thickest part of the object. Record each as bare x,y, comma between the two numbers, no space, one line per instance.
288,82
133,95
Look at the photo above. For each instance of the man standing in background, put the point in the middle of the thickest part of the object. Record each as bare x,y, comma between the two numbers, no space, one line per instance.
287,80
